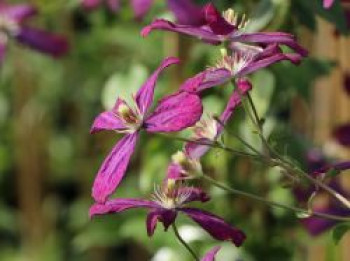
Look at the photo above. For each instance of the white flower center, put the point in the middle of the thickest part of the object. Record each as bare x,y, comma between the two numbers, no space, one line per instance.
7,27
233,18
190,167
206,129
171,195
236,62
131,117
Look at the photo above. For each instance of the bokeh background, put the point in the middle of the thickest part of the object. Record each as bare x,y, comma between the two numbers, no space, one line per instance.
48,159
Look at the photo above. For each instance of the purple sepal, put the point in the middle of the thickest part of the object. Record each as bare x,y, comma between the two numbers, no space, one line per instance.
43,41
327,3
113,168
215,226
175,113
107,121
210,256
141,8
186,12
18,12
216,22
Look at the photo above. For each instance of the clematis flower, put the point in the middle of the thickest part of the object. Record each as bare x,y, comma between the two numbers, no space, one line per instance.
226,28
12,25
328,3
342,135
322,203
168,200
210,256
244,60
186,163
173,113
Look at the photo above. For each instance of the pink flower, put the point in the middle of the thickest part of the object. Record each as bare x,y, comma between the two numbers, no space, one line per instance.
12,25
169,200
328,3
173,113
210,256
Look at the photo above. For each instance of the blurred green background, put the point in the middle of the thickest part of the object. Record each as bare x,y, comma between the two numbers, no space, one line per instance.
48,159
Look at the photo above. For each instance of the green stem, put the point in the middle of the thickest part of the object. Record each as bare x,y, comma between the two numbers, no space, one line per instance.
176,232
271,203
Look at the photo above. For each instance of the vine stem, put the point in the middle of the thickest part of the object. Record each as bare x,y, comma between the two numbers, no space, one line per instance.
177,234
272,203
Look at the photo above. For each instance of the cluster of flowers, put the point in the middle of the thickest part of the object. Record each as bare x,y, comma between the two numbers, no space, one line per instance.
245,53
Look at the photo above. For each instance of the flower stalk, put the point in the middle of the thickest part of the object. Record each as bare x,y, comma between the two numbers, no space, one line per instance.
183,242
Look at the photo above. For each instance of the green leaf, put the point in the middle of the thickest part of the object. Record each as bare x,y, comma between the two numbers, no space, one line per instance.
339,231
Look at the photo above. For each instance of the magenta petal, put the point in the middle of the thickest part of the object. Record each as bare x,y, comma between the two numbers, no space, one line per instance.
43,41
195,150
268,38
174,171
91,4
199,32
327,3
141,7
107,121
192,84
144,96
195,194
216,22
175,113
113,5
151,221
210,256
113,168
215,226
186,12
119,205
17,12
342,135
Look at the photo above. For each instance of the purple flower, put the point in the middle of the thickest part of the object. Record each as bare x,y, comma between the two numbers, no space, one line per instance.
328,3
168,200
113,5
216,29
342,135
12,25
186,164
244,60
173,113
210,256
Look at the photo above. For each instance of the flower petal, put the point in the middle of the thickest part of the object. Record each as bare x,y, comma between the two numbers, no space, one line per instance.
151,221
113,168
200,32
45,42
195,194
106,121
268,38
174,172
141,7
216,21
327,3
215,226
186,12
144,96
18,12
175,113
195,150
342,135
119,205
210,256
91,4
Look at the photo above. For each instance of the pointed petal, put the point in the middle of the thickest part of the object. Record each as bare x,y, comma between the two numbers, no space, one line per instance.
195,150
342,135
195,194
174,171
113,168
151,221
216,21
192,84
91,4
215,226
186,12
113,5
18,12
200,32
119,205
268,38
327,3
107,121
144,96
141,7
45,42
210,256
175,113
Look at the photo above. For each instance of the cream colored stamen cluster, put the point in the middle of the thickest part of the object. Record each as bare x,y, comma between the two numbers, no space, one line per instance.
170,195
190,167
131,117
235,62
206,129
7,27
233,18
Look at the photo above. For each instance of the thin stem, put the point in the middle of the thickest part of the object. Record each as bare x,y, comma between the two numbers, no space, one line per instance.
272,203
176,232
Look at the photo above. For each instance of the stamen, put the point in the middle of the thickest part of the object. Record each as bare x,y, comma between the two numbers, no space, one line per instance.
190,167
131,117
233,18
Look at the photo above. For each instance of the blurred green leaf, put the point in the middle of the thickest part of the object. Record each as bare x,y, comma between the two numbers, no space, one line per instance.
339,231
